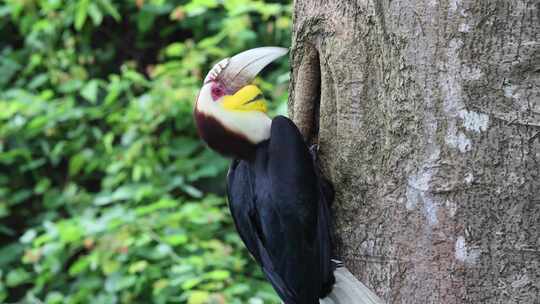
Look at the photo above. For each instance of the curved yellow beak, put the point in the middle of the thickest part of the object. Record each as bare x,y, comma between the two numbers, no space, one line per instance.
248,98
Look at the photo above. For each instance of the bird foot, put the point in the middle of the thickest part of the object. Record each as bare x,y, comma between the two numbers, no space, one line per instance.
313,150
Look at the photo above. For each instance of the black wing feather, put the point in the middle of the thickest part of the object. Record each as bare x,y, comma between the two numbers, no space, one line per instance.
242,201
280,213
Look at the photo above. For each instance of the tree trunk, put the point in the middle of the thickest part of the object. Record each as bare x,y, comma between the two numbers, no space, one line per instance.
427,115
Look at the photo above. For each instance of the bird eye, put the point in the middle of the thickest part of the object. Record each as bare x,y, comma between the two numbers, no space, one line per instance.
217,92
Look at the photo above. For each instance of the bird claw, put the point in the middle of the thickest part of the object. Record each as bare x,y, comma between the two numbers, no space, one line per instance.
314,150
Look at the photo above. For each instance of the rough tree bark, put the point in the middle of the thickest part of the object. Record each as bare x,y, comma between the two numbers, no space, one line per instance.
427,115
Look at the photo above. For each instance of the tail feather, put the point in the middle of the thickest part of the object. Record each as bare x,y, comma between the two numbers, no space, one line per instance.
348,290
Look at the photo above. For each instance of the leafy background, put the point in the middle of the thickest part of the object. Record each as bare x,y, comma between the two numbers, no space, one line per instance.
106,193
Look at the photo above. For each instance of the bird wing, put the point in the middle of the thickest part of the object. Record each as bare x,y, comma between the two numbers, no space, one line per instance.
274,200
247,222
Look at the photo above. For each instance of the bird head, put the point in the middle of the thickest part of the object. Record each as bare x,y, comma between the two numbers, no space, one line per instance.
230,112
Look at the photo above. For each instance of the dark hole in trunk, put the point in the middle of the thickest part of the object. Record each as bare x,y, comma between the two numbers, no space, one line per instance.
308,95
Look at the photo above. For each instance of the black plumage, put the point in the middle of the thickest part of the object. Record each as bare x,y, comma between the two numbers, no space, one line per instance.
280,208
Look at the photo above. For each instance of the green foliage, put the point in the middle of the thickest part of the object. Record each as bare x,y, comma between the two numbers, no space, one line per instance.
106,193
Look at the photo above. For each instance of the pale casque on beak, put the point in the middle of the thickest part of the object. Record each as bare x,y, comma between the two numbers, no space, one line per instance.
239,70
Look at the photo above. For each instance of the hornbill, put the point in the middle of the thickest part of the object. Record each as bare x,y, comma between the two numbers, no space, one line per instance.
278,200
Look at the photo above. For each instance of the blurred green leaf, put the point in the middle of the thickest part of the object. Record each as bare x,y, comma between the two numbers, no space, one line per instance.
138,266
28,236
82,12
175,50
17,277
198,297
117,282
9,254
190,283
107,194
79,266
90,91
95,13
145,20
176,239
218,275
54,298
108,7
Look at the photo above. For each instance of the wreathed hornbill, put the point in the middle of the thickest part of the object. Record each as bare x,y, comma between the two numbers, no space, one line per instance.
277,198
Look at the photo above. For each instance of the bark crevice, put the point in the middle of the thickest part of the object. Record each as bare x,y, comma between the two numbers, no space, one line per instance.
307,90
